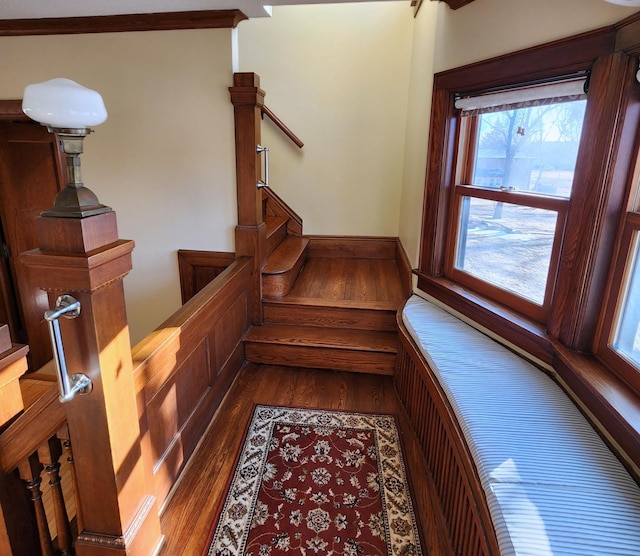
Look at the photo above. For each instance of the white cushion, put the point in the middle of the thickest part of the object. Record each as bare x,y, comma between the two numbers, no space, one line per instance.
552,484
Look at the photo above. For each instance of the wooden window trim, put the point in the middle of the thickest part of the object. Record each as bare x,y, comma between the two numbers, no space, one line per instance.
611,54
623,368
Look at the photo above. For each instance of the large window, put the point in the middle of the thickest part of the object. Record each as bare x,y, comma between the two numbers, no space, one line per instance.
515,166
531,220
619,343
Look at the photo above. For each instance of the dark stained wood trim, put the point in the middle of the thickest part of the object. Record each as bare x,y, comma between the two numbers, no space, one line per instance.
605,156
276,206
38,422
628,35
280,124
251,231
12,110
570,54
404,269
356,247
206,19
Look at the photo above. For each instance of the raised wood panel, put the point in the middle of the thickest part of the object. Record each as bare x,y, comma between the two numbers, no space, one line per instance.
226,332
183,369
198,268
172,403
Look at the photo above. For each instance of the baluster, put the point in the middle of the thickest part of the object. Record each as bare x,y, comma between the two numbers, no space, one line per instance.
30,473
63,434
49,455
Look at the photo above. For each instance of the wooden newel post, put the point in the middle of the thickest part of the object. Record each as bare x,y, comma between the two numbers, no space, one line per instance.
84,258
251,232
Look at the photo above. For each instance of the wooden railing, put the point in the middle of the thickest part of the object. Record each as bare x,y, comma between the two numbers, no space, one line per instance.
31,445
182,371
184,368
279,123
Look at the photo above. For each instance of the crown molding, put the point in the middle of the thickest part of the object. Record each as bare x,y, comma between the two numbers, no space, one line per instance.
207,19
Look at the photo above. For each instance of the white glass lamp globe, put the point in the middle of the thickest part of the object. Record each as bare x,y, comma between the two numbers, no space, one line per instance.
628,3
62,103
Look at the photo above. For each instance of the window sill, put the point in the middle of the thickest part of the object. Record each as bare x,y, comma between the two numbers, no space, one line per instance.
525,333
611,405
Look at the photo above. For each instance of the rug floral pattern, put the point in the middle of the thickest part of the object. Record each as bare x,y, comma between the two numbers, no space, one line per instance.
316,482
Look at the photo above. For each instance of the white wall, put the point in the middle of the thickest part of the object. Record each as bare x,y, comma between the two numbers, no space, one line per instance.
488,28
417,128
164,159
338,76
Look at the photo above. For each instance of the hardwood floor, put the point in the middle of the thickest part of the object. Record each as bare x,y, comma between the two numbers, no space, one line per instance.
349,279
191,511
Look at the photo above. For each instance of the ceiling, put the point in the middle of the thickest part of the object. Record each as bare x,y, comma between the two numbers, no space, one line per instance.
36,9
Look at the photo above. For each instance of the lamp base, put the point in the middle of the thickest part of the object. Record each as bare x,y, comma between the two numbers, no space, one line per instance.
75,202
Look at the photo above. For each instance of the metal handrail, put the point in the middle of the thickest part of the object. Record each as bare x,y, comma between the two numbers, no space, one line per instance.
69,307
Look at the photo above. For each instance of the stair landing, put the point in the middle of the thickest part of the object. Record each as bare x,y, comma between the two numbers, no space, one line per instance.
348,281
339,314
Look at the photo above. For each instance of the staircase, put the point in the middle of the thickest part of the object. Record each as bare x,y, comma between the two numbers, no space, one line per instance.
329,302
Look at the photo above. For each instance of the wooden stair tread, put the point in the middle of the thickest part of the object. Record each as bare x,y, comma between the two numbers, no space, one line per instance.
286,255
314,336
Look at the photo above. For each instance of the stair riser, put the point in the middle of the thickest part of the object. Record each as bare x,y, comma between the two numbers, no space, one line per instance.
275,286
276,238
321,358
330,317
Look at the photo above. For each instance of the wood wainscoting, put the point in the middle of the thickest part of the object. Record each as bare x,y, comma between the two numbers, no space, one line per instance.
185,367
449,462
198,268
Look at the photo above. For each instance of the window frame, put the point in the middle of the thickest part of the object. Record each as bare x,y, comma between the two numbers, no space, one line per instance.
565,345
629,235
593,212
467,145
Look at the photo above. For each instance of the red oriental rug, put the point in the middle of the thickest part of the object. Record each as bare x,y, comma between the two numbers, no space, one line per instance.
316,482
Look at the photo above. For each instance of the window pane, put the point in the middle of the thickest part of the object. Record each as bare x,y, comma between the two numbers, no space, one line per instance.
627,331
507,245
531,149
